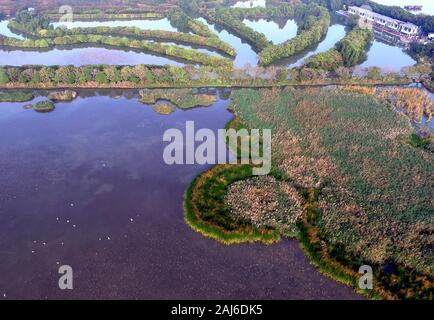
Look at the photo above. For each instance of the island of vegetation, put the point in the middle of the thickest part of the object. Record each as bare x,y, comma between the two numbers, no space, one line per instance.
16,96
65,95
182,98
164,108
44,106
334,185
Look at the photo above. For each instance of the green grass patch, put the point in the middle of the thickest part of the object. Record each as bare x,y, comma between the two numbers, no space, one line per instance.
182,98
15,96
417,141
205,211
44,106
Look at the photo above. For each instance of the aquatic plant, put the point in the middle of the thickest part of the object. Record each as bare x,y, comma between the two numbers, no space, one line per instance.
182,98
206,213
44,106
65,95
368,193
265,203
164,108
16,96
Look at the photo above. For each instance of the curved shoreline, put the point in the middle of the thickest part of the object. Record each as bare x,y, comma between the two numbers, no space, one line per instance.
242,235
331,269
338,268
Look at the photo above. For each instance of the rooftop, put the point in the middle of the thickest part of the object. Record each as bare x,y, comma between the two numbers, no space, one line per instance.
383,17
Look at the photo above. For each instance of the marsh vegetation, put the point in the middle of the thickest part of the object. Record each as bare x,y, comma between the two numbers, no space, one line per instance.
361,183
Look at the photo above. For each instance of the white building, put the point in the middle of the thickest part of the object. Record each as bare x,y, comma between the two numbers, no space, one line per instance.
405,28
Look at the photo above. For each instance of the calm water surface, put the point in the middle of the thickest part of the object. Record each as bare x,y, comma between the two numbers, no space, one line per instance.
4,30
387,57
86,186
159,24
245,53
81,56
250,4
335,33
94,55
275,33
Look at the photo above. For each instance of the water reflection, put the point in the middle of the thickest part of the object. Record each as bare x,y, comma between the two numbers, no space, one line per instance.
245,53
276,32
4,30
250,4
81,56
159,24
387,57
335,33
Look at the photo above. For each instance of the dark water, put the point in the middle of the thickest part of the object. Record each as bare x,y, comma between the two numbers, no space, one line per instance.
86,186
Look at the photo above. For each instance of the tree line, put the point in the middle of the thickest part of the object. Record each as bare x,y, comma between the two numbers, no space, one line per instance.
350,51
313,21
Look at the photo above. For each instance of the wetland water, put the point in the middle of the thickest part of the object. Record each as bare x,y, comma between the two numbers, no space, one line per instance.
390,58
86,185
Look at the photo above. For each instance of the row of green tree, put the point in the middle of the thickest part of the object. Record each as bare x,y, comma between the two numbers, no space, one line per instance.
172,76
353,46
350,51
101,74
190,55
313,21
230,21
213,43
182,21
